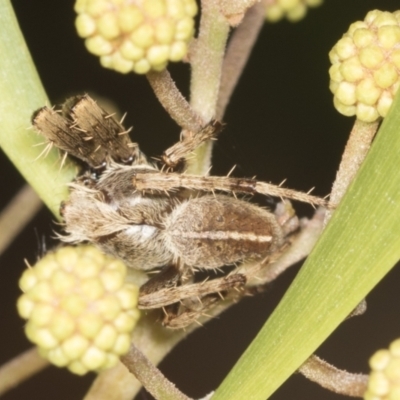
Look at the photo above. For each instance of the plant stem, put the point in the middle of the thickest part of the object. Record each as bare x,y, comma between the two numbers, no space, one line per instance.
19,211
21,368
172,100
356,149
114,384
334,379
238,53
155,342
150,376
206,60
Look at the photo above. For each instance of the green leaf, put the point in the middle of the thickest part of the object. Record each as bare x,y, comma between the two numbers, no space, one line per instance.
21,94
358,248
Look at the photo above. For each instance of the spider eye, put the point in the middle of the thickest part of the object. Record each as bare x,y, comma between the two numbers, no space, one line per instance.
128,160
89,180
99,168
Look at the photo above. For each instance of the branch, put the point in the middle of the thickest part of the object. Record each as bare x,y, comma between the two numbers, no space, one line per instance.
206,57
19,211
154,341
334,379
238,53
150,376
356,149
174,103
21,368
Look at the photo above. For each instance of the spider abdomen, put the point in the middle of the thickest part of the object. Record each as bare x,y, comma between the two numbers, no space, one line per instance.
213,231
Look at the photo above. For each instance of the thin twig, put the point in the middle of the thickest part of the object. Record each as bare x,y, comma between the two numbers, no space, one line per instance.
206,57
150,376
114,384
173,101
155,341
19,211
21,368
237,54
334,379
356,149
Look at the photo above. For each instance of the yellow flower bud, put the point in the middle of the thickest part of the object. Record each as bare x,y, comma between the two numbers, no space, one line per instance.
293,10
136,35
366,66
80,310
384,379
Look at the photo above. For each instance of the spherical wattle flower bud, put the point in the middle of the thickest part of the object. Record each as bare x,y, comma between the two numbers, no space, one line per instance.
136,35
293,10
384,379
80,311
364,76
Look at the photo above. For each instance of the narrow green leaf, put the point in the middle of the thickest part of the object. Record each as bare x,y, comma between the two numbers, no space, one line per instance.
21,94
359,246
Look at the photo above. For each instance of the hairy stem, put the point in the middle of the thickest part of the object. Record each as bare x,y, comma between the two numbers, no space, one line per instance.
356,149
206,59
155,342
150,376
21,368
172,100
114,384
237,54
334,379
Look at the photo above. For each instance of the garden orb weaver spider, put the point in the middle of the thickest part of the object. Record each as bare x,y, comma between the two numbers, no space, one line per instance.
159,219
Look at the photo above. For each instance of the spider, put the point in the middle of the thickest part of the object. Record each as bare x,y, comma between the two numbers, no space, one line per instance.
163,220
